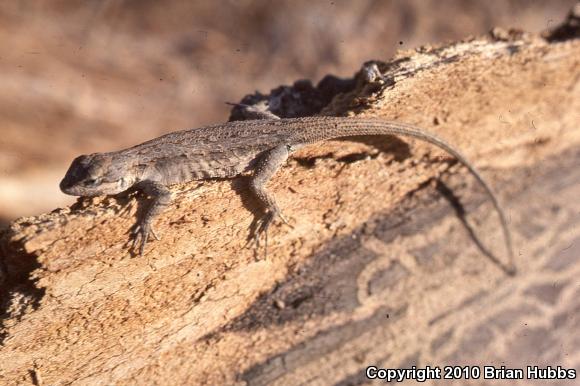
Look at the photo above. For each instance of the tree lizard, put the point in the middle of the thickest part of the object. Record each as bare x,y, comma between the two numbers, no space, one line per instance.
228,150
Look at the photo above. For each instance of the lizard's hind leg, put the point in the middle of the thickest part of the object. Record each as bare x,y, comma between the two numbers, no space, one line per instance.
267,165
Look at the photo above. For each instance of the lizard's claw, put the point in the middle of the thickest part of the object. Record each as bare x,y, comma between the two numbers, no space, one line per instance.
261,227
154,234
141,234
284,220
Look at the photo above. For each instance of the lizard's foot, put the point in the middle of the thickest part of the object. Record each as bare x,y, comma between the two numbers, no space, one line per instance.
140,234
259,110
261,226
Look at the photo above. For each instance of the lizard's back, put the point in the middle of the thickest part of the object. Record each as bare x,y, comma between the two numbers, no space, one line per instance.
228,149
218,151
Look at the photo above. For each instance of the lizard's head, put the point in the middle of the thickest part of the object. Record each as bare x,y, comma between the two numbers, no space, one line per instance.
93,175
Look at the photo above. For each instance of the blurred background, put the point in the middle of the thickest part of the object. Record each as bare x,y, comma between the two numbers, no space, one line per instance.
101,75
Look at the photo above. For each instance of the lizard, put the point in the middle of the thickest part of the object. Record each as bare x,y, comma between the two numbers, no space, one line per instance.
227,150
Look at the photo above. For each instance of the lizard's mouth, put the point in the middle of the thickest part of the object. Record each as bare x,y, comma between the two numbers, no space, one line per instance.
71,187
67,187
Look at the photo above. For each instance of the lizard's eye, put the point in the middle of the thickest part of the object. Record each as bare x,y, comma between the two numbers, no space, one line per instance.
91,182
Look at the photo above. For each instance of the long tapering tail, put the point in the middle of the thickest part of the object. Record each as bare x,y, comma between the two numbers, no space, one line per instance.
334,127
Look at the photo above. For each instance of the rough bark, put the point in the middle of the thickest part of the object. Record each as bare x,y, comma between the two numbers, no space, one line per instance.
378,268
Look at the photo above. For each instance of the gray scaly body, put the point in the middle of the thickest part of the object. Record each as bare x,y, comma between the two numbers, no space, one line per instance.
224,151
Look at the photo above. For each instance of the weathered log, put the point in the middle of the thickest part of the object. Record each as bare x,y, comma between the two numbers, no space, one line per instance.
378,269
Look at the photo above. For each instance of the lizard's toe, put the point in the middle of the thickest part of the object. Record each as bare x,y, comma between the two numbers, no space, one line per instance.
154,233
141,234
261,226
284,220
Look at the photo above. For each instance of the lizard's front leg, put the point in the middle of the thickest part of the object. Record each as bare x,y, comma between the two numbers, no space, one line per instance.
266,167
257,111
160,198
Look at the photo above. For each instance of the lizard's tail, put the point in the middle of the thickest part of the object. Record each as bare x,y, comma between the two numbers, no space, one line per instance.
354,127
